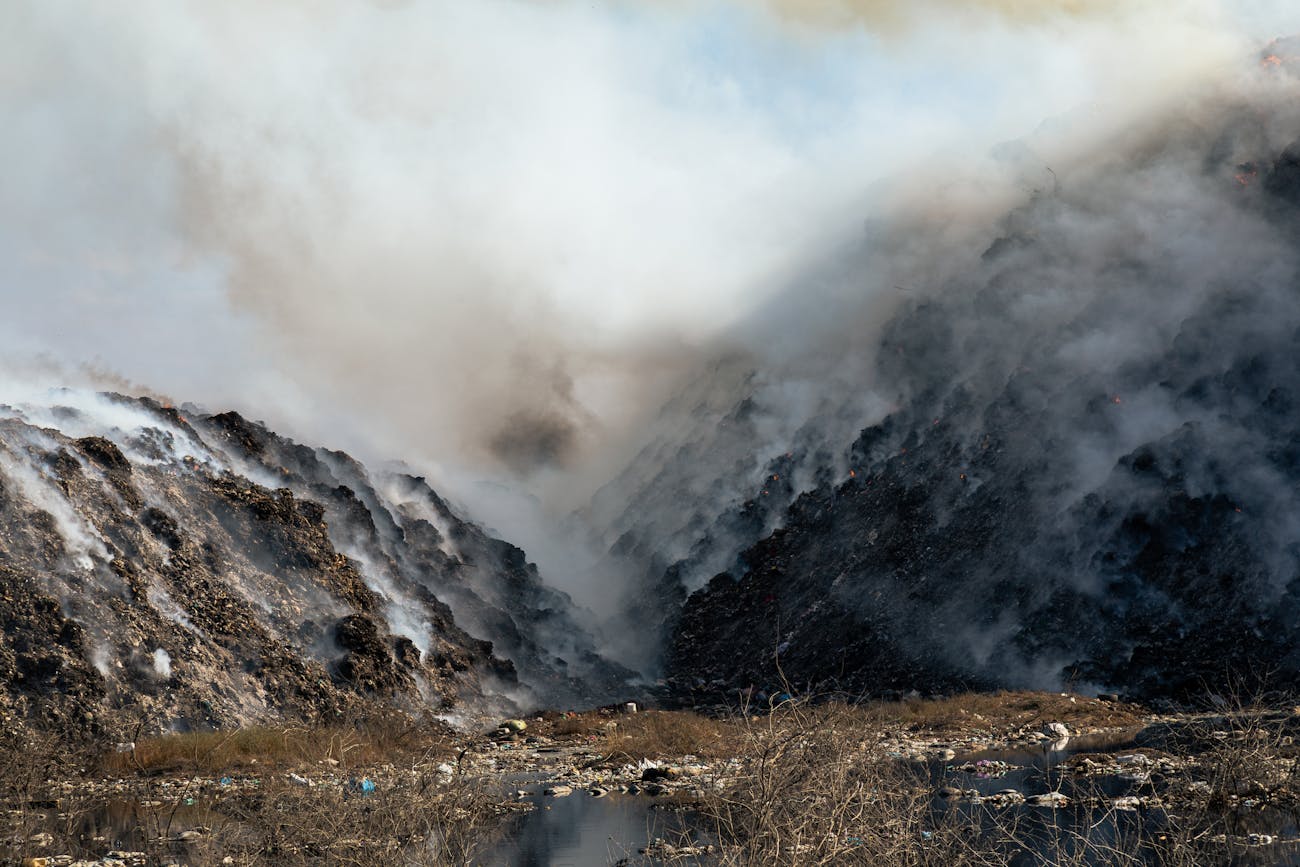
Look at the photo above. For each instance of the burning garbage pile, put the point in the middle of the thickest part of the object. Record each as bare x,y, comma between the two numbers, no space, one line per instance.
201,571
1087,474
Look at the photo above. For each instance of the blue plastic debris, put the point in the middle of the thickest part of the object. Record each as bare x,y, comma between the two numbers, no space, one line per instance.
365,785
226,781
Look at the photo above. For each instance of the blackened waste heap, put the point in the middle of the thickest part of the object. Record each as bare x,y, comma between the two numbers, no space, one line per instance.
1086,471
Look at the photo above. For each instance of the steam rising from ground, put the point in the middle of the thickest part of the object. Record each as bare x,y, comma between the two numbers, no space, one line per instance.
493,236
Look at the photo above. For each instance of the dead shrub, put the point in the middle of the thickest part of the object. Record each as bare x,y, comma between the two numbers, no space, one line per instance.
655,734
361,742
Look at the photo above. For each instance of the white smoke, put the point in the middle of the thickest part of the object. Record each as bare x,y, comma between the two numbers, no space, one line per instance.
564,201
83,545
162,663
489,237
163,602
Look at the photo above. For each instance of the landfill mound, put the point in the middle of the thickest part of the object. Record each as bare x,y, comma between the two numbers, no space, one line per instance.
1088,474
183,570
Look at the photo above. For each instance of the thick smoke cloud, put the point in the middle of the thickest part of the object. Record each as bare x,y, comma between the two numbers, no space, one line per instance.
1085,470
491,237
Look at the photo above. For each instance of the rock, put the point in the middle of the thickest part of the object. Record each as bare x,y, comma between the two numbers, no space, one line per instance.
949,792
514,725
598,791
1053,800
650,775
559,791
1108,697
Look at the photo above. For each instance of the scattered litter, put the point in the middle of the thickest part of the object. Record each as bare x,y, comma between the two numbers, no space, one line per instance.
365,785
985,769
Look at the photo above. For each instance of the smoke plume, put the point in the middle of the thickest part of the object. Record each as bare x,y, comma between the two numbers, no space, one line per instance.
493,238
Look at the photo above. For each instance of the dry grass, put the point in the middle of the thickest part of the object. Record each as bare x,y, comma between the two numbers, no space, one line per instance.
657,734
418,815
433,821
654,734
1005,710
649,734
271,747
813,788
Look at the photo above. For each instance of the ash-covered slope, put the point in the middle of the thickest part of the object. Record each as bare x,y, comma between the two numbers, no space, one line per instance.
1089,473
196,570
724,462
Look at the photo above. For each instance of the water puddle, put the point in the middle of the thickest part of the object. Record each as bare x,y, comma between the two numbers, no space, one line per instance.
1031,770
1034,790
128,826
581,831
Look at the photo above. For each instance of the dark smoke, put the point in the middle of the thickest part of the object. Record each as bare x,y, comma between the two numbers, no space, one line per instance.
1086,470
528,442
